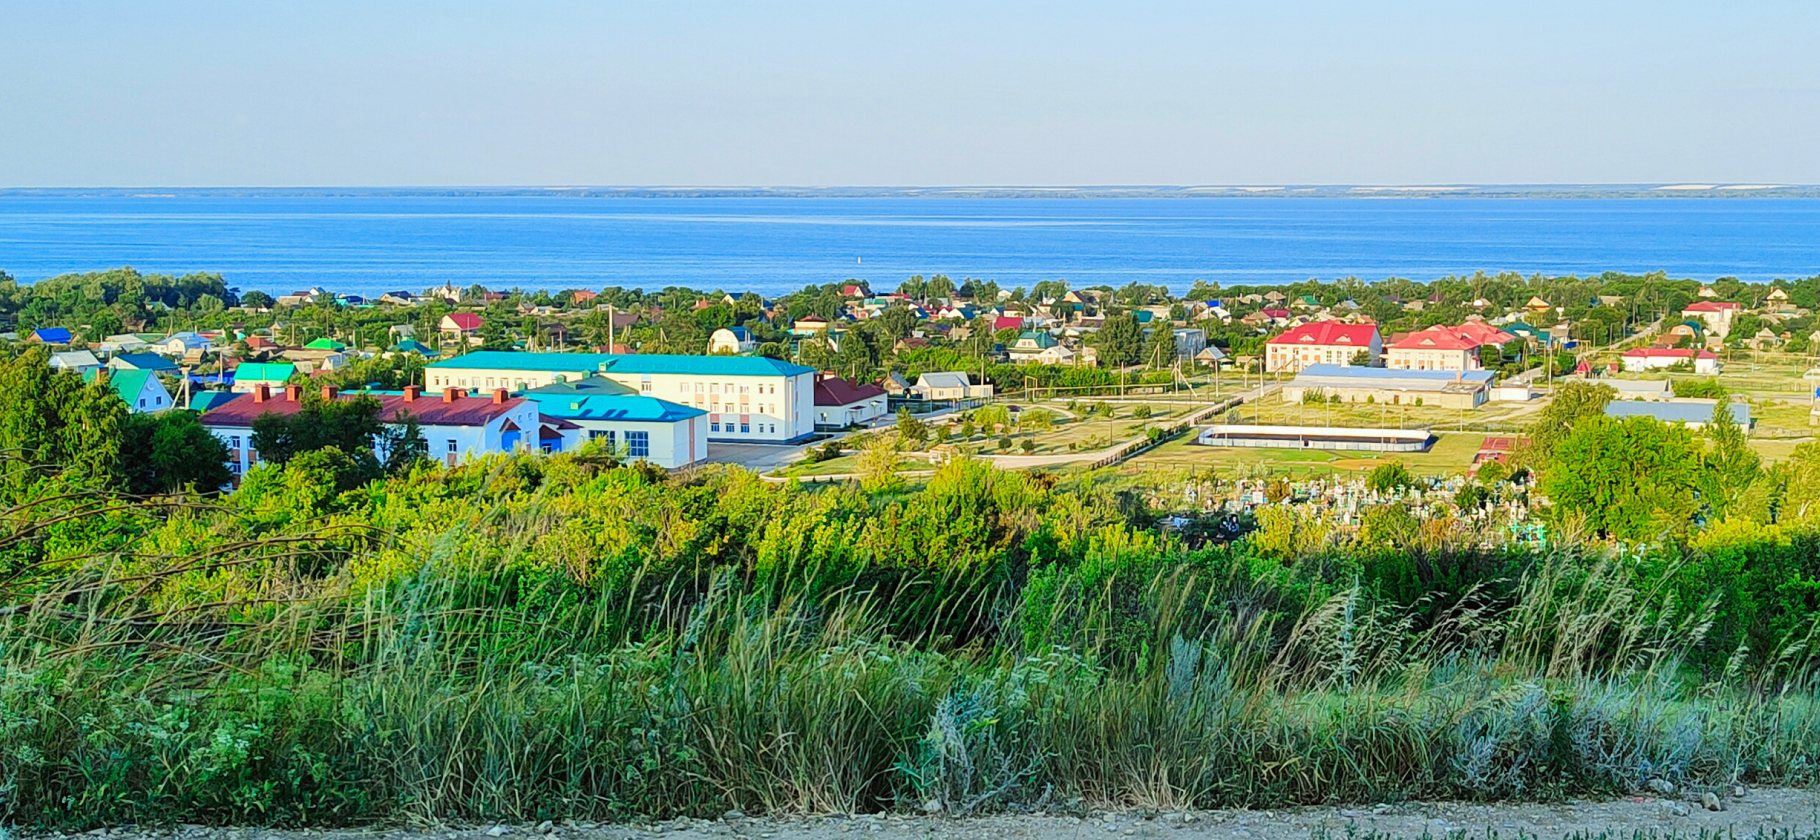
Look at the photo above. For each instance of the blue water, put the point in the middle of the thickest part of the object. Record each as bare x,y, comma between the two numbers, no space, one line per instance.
373,242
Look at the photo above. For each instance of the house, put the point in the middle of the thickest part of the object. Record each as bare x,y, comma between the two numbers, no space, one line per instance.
1538,306
398,298
412,345
1717,315
80,361
809,325
1445,348
731,341
123,343
1038,347
1007,322
632,425
1694,414
1210,356
840,403
269,375
181,344
896,385
142,361
749,399
1189,341
327,345
49,335
454,425
1639,359
1323,342
1444,389
141,390
581,296
950,386
460,326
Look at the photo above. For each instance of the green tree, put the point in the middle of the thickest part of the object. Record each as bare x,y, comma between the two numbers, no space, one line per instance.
914,431
1159,347
1120,341
348,426
1573,402
1731,466
168,451
1390,477
403,443
1632,478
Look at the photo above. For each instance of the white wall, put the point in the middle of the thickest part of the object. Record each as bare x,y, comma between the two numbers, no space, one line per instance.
782,406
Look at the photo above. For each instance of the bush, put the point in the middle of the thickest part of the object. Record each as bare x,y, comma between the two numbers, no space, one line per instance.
1390,477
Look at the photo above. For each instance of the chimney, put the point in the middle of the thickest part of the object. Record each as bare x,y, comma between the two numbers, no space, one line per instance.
450,395
330,392
412,392
261,393
293,393
499,396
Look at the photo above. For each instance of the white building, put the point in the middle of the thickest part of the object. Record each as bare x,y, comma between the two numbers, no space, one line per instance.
141,390
1189,341
1639,359
454,425
80,361
950,385
840,403
731,341
178,344
633,426
747,398
1323,343
1040,348
1717,315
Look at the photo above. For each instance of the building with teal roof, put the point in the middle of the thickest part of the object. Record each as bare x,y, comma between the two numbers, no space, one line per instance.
141,390
747,399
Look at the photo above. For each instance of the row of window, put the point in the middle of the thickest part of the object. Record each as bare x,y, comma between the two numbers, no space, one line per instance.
638,444
744,427
718,388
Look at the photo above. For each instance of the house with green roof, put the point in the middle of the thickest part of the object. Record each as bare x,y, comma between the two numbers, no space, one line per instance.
1039,347
250,375
747,399
141,390
328,344
412,345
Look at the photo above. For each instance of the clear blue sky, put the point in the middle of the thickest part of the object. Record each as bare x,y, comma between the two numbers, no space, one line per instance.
672,92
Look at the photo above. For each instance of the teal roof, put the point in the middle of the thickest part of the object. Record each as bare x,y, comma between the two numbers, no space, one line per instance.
412,345
325,344
592,386
625,407
126,383
630,364
1041,339
264,372
204,400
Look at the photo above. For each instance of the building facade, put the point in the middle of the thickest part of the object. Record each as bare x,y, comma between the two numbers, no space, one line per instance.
1323,343
746,398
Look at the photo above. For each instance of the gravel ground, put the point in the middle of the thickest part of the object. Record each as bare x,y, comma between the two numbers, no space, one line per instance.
1767,813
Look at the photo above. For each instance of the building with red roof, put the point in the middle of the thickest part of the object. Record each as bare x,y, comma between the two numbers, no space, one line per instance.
840,403
1442,347
1639,359
453,424
1322,342
1718,315
461,326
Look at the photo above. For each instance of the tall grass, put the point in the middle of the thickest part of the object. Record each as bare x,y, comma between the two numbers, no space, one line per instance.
438,694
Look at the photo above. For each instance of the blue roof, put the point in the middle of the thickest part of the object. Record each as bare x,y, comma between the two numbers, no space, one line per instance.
1675,412
52,335
1385,374
202,401
144,361
626,407
632,364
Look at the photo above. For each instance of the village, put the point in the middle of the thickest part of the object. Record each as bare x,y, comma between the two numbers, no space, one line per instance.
1300,382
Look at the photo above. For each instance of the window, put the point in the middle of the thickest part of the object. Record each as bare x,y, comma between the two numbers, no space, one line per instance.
451,447
713,425
745,427
234,442
548,447
638,444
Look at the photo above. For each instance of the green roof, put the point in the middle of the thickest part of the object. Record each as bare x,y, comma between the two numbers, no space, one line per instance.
589,387
126,383
264,372
412,345
325,344
631,364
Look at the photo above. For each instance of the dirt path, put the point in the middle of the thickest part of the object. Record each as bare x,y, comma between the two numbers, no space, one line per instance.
1759,813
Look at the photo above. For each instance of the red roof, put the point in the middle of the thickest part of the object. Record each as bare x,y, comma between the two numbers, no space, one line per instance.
1669,353
1326,333
429,409
1275,313
1468,336
1711,306
833,390
463,320
1007,322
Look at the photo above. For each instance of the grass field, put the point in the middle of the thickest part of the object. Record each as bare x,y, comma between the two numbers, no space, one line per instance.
1499,417
1452,453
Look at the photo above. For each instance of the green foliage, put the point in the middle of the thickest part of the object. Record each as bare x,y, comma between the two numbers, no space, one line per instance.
1390,477
1704,389
1632,478
1573,403
349,426
912,429
1120,341
169,451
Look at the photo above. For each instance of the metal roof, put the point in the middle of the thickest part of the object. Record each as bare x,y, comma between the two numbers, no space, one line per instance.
623,364
627,407
1691,412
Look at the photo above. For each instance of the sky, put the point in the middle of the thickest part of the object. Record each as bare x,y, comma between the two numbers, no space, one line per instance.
683,93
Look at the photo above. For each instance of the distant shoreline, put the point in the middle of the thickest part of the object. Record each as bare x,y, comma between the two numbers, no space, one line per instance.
1684,190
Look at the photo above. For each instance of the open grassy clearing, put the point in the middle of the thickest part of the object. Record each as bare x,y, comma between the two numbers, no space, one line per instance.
1452,453
1499,416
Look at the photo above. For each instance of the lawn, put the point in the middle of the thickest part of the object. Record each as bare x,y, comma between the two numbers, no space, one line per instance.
1490,417
1452,453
